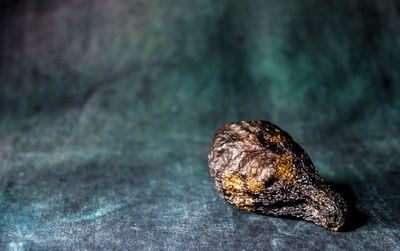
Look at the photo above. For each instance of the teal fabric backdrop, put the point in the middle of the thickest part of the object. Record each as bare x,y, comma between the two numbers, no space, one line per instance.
108,108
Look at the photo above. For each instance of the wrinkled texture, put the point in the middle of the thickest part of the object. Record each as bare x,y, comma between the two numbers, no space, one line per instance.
258,167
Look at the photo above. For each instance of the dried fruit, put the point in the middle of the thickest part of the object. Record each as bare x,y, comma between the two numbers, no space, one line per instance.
258,167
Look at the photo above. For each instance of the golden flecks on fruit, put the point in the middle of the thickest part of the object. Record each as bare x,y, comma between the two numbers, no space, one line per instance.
286,169
235,188
254,185
233,183
276,139
246,204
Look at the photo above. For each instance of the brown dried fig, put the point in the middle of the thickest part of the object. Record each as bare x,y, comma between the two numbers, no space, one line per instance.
257,166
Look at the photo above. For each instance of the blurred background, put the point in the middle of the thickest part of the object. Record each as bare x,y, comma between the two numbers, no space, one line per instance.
107,110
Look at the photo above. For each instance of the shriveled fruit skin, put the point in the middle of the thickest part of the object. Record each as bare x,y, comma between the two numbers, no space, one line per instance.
258,167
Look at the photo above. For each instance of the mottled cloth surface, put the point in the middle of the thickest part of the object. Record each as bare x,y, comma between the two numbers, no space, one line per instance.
107,113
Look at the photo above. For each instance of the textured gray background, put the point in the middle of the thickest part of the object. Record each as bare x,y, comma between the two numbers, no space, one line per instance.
107,110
